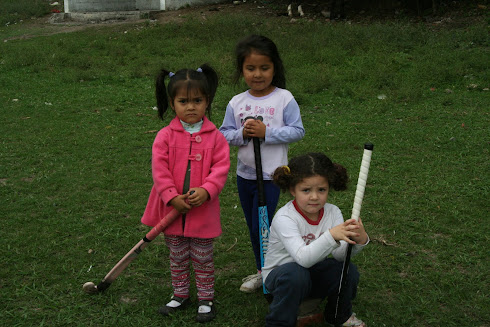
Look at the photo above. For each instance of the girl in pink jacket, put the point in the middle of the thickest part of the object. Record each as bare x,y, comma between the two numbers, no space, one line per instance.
190,163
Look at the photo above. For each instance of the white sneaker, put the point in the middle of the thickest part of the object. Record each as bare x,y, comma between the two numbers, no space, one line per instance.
251,283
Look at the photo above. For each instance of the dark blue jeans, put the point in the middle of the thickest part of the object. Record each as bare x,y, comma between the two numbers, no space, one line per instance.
291,283
247,190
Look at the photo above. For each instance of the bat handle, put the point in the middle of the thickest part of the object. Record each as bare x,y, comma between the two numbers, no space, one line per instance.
361,182
258,169
160,227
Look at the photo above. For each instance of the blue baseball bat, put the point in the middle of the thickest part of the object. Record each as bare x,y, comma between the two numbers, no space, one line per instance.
262,206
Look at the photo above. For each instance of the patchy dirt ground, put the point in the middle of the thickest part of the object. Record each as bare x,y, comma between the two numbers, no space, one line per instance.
202,12
455,15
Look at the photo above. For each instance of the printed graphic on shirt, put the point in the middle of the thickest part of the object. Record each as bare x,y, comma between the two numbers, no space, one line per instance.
264,114
309,238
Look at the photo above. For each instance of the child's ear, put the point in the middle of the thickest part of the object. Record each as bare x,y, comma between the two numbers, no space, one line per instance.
291,190
172,104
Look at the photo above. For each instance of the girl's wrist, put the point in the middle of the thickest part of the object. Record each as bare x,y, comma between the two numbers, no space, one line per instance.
363,240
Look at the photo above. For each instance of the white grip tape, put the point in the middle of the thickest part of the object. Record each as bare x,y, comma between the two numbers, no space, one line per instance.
361,183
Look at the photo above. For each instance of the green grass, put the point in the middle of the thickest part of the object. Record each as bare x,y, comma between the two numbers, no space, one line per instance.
16,11
78,124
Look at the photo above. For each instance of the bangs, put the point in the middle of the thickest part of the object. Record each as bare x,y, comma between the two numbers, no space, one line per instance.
190,86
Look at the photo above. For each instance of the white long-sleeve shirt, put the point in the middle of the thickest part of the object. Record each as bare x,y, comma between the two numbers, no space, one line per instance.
280,113
294,238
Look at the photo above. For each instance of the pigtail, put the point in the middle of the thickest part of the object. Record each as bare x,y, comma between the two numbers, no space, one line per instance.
211,84
340,178
212,79
161,93
282,177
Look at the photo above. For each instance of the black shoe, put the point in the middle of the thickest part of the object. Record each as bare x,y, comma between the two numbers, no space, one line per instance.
166,310
206,316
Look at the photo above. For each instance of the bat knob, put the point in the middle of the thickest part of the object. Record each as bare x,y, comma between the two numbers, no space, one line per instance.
90,288
369,146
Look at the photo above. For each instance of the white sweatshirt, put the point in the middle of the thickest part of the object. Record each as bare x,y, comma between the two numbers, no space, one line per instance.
295,238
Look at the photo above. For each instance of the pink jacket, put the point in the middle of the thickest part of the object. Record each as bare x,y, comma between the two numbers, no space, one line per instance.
209,154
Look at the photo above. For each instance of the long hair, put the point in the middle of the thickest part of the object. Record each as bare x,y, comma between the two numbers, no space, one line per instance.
263,46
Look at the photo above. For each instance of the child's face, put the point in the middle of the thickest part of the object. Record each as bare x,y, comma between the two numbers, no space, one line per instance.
191,106
258,72
311,195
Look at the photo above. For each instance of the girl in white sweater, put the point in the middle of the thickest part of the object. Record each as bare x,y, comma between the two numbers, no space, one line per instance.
305,234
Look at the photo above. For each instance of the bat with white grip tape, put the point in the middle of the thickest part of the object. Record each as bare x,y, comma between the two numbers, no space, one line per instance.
356,210
361,182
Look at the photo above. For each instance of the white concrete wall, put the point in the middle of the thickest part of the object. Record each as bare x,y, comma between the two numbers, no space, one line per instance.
129,5
99,5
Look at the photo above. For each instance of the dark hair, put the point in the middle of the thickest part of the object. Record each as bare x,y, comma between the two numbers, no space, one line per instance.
309,165
204,79
263,46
